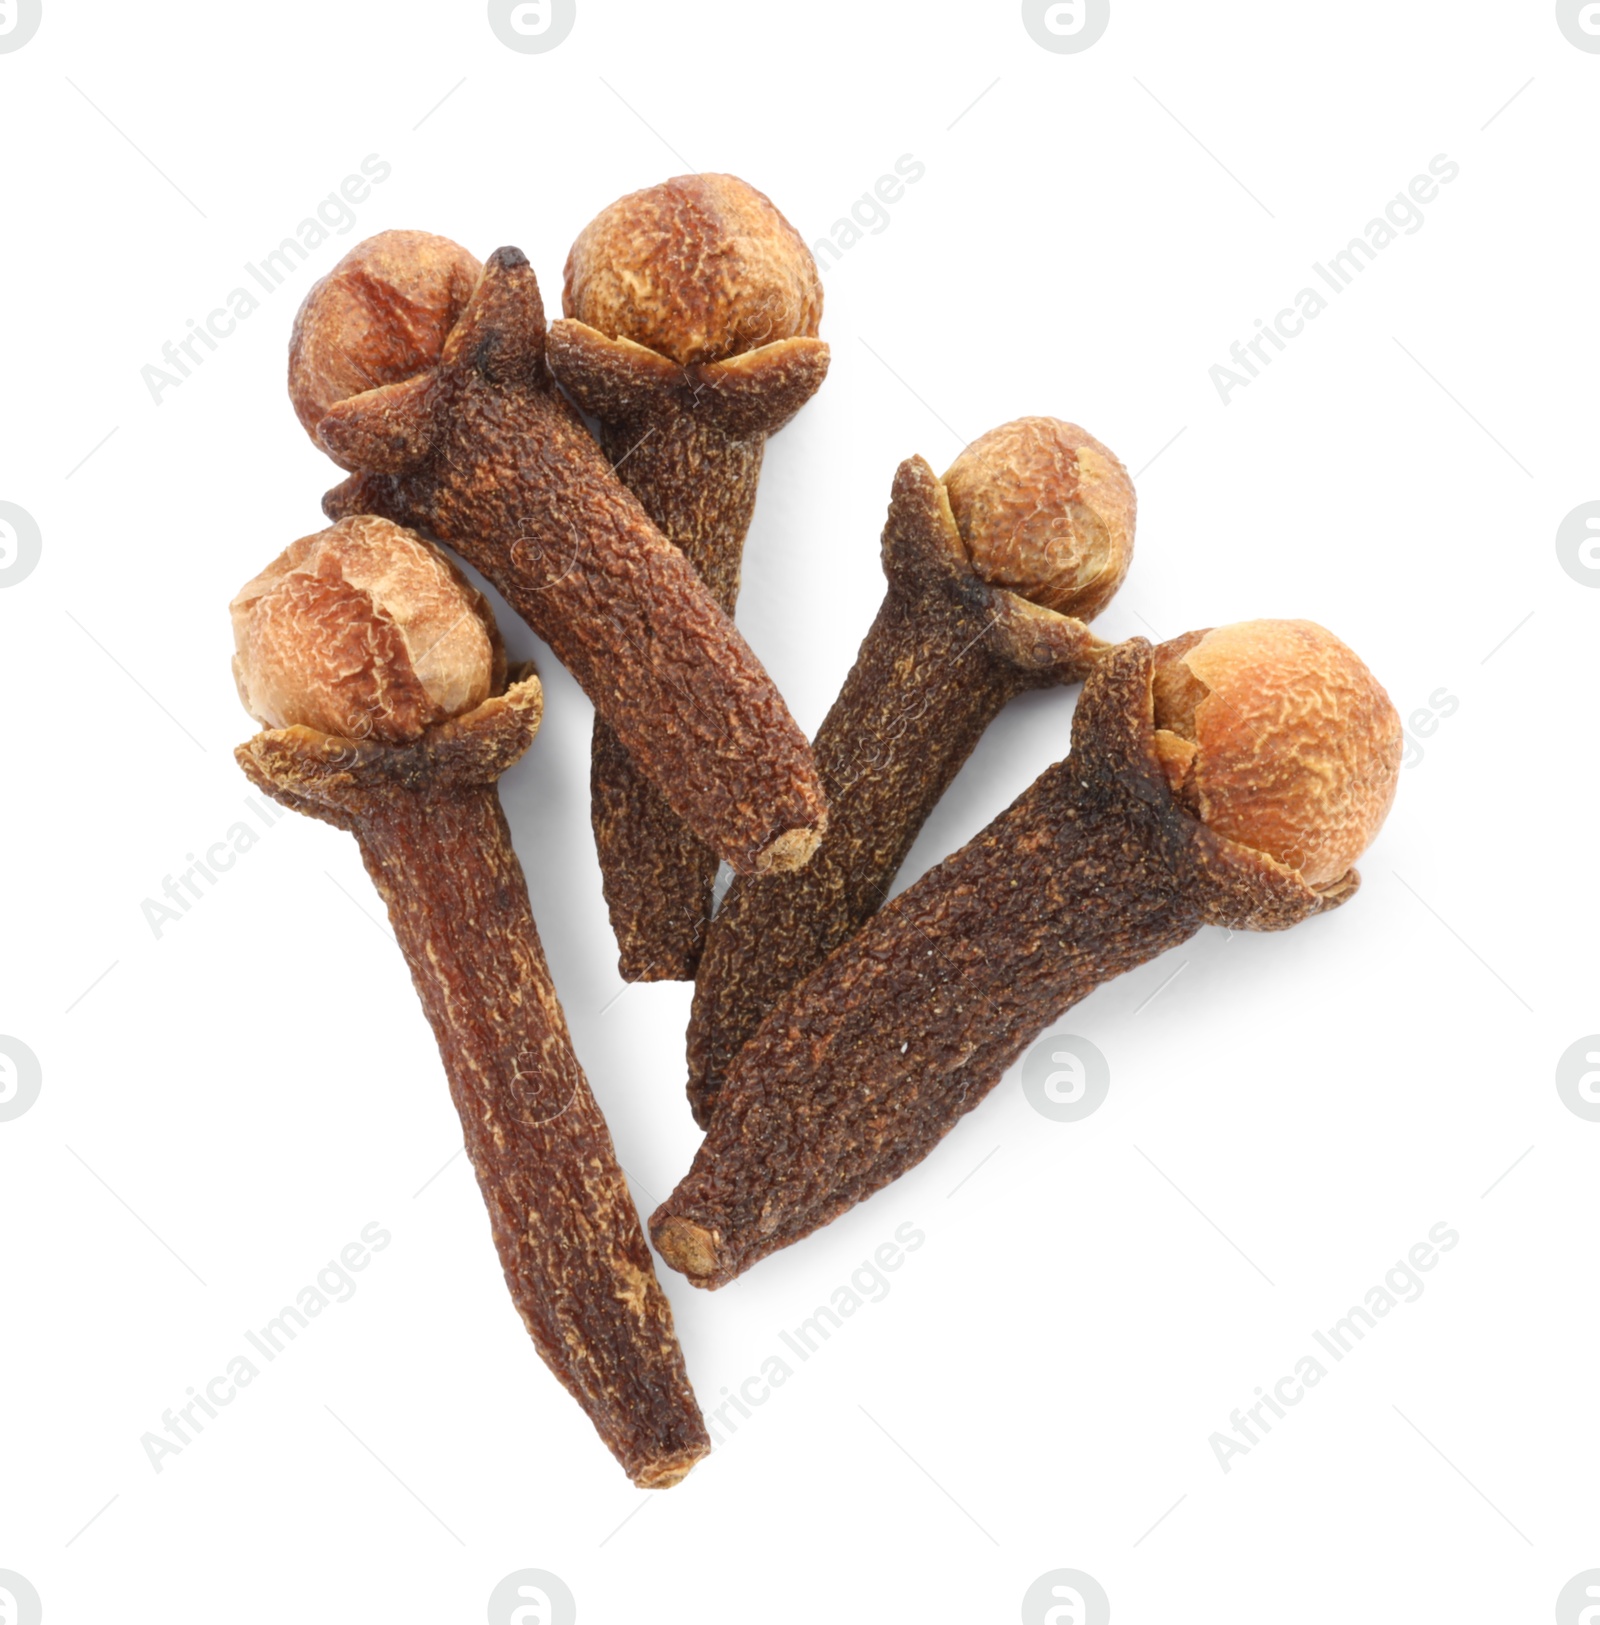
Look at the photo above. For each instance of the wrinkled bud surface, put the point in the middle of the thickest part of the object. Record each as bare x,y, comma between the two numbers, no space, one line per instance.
380,316
697,269
363,631
1047,512
1274,734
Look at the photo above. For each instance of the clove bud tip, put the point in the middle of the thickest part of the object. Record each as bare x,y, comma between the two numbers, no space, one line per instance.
363,631
699,268
1274,734
380,316
1046,511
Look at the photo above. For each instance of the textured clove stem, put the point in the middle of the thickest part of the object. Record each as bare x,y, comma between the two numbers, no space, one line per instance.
945,654
697,483
435,841
688,442
863,1068
485,453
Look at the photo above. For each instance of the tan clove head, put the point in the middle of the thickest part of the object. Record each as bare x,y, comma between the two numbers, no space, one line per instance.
363,631
699,268
1274,734
1047,512
380,316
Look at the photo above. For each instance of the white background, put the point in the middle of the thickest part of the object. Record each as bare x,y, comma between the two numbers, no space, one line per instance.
224,1108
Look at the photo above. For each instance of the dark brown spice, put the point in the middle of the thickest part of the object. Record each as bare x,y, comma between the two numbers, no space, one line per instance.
433,838
1038,504
371,630
863,1068
692,310
482,450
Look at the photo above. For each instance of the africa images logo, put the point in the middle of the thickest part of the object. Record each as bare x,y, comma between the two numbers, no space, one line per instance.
1578,544
1065,26
20,542
1579,1602
21,1078
19,1602
1066,1597
19,22
532,1597
1579,20
1065,1077
1578,1084
531,26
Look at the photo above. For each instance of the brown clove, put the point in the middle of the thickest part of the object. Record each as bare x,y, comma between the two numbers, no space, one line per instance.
460,431
1228,778
381,678
691,336
992,574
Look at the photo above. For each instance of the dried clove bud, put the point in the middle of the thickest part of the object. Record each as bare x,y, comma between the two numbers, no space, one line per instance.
693,310
380,316
1243,733
699,268
862,1069
379,674
469,439
363,631
992,573
1047,511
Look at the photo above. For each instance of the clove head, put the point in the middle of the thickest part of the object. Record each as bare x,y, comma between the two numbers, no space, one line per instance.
363,631
1275,735
380,316
699,268
1047,512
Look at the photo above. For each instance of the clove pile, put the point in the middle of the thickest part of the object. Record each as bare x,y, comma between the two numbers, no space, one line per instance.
1231,776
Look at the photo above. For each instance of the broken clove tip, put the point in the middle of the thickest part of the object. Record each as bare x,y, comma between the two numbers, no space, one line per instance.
791,850
689,1248
662,1474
